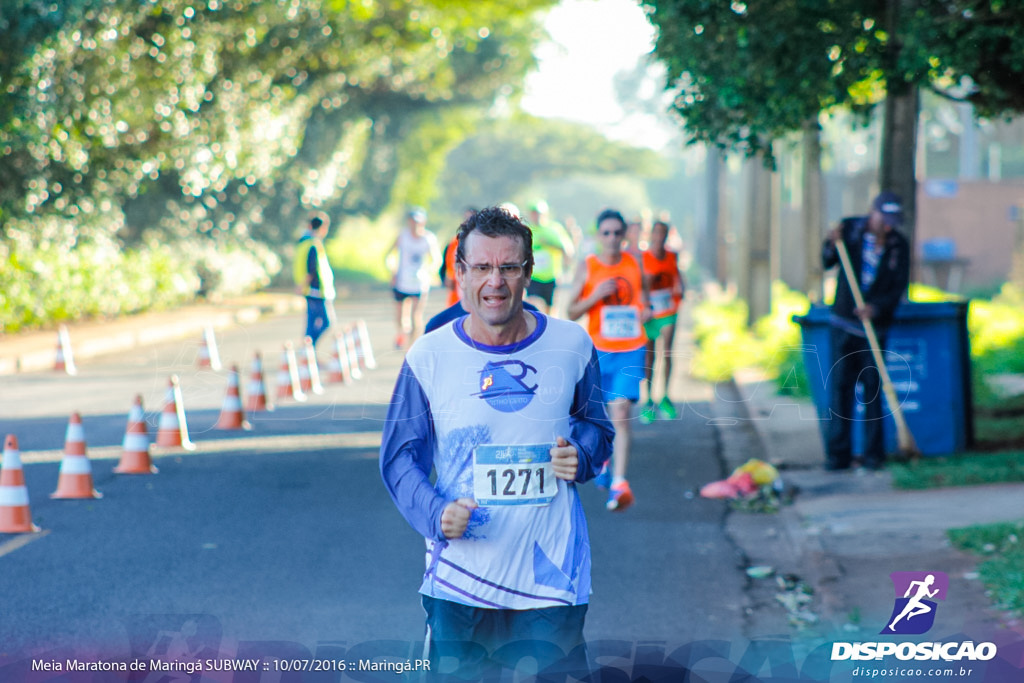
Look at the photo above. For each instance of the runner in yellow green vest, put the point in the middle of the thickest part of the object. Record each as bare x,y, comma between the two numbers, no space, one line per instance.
552,248
314,277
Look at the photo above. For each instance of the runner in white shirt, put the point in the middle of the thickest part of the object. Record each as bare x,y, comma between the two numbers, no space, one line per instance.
418,257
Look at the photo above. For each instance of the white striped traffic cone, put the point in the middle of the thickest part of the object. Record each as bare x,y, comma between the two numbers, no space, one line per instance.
353,352
289,384
338,371
135,447
312,367
208,357
231,410
65,361
366,358
15,516
172,431
256,391
75,479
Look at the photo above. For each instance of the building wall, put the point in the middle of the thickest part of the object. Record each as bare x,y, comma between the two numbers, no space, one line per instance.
982,219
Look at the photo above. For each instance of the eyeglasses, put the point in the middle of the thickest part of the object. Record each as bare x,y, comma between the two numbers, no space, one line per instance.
508,271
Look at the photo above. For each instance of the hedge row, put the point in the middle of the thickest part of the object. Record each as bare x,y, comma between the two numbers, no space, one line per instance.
55,281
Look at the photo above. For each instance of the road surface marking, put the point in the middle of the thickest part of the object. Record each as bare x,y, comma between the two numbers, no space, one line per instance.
20,542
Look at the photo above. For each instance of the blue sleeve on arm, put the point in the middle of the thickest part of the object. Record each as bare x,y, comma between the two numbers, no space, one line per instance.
407,456
590,430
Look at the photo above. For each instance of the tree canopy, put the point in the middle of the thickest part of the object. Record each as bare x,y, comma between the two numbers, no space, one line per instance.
505,158
745,74
179,117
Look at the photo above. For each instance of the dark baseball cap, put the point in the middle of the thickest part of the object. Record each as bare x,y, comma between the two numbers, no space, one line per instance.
890,205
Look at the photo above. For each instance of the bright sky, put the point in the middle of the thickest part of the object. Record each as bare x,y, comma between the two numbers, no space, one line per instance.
592,40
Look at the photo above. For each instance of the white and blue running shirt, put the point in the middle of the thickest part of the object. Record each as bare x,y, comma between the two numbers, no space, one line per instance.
454,394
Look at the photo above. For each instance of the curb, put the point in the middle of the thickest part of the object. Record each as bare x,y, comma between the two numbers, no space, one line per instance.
36,351
821,571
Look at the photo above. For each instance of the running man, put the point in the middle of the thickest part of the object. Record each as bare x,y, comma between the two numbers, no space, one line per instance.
418,259
611,288
498,405
914,606
667,288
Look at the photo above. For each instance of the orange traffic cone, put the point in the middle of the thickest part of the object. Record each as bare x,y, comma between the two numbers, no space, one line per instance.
75,480
289,384
353,352
256,392
231,411
312,368
15,517
208,357
172,432
366,358
338,370
65,361
135,447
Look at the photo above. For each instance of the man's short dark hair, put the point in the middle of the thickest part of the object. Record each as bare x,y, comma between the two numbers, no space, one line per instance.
318,219
610,213
495,221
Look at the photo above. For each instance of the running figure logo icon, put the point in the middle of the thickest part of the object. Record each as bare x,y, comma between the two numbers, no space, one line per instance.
503,385
914,610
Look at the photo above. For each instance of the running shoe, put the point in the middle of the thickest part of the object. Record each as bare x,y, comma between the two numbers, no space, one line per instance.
604,478
400,340
620,497
666,410
647,414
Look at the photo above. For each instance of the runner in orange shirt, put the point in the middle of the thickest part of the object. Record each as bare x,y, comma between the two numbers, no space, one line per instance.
448,269
667,288
610,287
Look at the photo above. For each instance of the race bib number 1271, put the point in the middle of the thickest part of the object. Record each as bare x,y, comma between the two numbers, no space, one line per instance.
517,474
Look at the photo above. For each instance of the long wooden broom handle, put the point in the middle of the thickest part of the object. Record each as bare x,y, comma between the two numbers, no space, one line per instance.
906,438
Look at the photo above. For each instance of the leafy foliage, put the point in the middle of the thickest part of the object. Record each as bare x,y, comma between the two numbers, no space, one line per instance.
503,159
131,124
745,74
236,115
726,344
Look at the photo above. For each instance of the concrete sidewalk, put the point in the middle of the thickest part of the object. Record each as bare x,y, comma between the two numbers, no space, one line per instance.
845,532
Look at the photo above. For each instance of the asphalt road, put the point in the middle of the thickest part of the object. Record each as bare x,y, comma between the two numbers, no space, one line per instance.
282,538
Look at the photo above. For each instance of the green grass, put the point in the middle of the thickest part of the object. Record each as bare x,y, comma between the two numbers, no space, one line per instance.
992,433
966,469
1003,569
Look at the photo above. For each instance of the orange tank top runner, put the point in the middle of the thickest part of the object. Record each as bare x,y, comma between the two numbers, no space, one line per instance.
615,323
449,271
666,289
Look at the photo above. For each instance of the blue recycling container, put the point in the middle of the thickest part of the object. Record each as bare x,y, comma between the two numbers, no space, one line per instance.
928,358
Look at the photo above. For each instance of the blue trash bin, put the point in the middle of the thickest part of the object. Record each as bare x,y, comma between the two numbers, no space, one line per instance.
928,358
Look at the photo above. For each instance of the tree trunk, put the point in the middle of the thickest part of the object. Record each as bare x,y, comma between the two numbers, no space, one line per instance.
707,245
813,214
899,154
754,270
898,172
